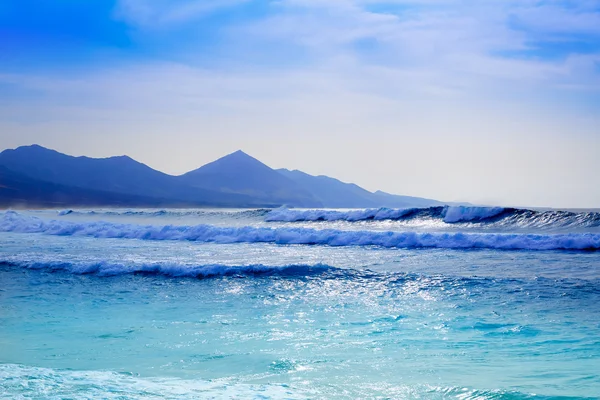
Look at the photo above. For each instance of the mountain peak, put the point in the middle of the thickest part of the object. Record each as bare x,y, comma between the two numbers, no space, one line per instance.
241,173
237,155
32,147
232,164
24,154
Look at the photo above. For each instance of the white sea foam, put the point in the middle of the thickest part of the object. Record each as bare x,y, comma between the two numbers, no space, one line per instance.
465,217
258,212
449,214
20,382
288,215
14,222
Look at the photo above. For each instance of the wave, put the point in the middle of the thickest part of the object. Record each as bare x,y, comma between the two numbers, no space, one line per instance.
463,216
68,383
565,286
106,268
20,382
378,214
468,214
260,212
447,214
15,222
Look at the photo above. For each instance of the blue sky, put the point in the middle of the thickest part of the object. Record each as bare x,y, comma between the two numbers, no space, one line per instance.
486,101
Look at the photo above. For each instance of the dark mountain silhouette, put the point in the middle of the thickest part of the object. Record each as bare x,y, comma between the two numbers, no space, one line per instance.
33,176
337,194
242,174
114,174
19,190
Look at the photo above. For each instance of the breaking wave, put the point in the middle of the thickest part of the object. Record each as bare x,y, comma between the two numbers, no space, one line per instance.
15,222
101,268
21,382
66,383
463,216
104,268
260,212
468,214
378,214
448,214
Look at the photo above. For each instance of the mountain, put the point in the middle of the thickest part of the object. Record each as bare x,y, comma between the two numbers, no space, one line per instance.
19,190
333,193
114,174
35,176
242,174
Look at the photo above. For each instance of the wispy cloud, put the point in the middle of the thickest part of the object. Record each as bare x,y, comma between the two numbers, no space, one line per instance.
449,44
559,18
476,43
158,13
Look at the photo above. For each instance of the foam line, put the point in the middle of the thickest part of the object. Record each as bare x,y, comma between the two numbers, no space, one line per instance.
14,222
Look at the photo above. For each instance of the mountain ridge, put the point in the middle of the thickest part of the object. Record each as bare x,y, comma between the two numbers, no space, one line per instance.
234,180
119,174
20,190
340,194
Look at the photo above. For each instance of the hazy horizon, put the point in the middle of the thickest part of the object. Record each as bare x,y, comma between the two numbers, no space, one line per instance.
486,102
525,206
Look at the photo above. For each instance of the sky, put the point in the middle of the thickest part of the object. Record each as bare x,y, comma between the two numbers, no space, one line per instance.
486,101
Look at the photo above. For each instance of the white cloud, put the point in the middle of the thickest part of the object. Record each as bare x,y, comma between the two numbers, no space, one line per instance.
450,44
463,47
150,14
556,19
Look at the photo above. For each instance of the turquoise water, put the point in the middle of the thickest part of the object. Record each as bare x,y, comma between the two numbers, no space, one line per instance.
87,310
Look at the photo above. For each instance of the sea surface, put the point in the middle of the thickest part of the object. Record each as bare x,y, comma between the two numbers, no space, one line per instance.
430,303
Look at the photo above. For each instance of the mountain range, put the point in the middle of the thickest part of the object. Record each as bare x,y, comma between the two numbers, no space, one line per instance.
34,176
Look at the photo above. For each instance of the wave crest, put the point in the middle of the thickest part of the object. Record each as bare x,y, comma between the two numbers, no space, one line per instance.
105,268
449,214
496,216
259,212
66,383
14,222
468,214
378,214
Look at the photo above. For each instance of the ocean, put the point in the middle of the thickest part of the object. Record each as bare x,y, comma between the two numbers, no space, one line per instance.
425,303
